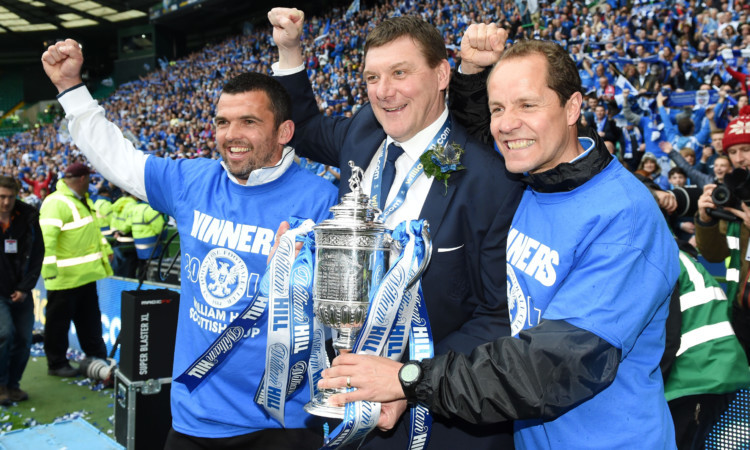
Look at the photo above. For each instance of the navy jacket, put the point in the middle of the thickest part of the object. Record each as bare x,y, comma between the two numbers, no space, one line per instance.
464,288
20,270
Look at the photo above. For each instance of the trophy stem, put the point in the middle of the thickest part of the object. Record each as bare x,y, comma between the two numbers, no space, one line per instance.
346,338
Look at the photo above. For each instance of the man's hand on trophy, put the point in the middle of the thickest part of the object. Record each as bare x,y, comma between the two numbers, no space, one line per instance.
481,46
283,228
287,30
375,377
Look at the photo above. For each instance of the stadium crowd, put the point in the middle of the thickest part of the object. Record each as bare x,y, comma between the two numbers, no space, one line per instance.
641,50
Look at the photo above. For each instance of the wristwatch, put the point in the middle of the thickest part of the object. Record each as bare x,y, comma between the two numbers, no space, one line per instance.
410,375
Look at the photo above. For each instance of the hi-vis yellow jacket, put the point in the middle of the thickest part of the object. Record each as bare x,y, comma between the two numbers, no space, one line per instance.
119,218
75,252
146,224
103,208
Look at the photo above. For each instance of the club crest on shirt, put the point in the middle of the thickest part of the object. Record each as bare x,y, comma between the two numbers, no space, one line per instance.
222,278
518,306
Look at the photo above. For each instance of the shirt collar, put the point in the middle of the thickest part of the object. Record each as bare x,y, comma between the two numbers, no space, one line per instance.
266,174
568,176
417,145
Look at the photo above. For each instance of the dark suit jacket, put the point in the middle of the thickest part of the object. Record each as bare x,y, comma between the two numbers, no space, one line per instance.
464,285
649,83
611,131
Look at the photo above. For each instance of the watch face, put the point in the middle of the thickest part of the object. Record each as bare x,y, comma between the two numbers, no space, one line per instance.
409,372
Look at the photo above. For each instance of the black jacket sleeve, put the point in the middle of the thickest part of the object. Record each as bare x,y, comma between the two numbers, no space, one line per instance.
468,102
546,371
33,263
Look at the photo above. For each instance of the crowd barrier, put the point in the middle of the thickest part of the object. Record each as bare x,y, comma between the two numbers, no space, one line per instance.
109,290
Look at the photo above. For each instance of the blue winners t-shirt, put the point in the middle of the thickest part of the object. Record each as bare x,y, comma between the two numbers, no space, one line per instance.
601,258
226,233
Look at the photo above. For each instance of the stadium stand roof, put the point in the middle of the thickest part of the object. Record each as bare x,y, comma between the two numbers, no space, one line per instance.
28,26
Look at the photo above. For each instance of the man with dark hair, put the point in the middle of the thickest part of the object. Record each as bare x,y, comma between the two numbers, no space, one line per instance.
605,125
677,176
226,213
20,264
643,81
588,286
407,74
103,208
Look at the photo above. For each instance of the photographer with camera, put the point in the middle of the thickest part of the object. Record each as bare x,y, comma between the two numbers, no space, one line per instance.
723,223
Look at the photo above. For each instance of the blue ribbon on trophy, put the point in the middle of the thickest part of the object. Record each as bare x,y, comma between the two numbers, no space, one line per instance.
290,316
421,347
391,305
318,358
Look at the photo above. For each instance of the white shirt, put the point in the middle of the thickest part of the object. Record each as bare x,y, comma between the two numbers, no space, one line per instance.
417,193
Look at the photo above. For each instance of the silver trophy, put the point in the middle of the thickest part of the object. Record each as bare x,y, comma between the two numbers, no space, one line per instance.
351,257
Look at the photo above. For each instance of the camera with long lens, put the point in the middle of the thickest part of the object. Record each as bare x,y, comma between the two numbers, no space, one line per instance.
99,369
731,194
687,200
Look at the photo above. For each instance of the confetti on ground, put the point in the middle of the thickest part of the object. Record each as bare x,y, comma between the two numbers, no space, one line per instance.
71,416
37,350
23,415
30,422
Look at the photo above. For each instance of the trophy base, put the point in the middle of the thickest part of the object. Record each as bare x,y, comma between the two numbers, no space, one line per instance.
319,405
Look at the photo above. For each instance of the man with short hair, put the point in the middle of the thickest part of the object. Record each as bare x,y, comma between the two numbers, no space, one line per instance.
718,238
643,81
103,208
604,125
407,73
226,213
20,263
588,286
677,177
76,255
722,166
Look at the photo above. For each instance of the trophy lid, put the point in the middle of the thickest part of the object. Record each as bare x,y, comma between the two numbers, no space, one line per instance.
355,212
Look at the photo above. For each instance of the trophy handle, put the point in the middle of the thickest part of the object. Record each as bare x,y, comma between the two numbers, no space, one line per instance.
427,254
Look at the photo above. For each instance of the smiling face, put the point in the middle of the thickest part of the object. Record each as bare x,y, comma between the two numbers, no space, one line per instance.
246,133
406,94
721,168
533,131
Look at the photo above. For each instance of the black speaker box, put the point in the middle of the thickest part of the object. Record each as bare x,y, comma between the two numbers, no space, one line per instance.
147,337
142,413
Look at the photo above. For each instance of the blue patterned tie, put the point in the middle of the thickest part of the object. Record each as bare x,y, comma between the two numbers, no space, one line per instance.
389,171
